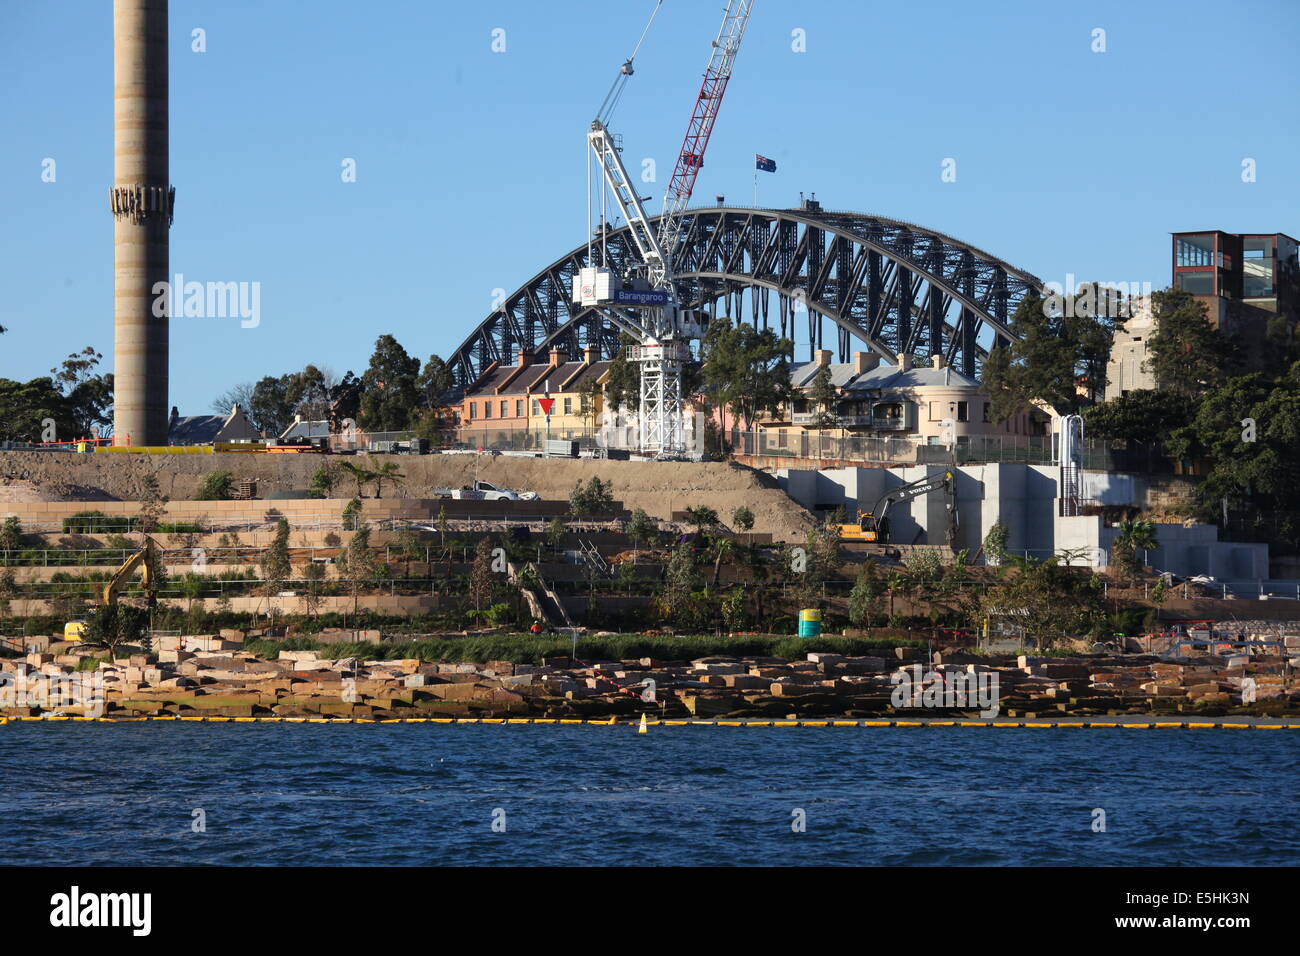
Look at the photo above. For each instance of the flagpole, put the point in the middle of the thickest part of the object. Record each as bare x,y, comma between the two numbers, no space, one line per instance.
755,184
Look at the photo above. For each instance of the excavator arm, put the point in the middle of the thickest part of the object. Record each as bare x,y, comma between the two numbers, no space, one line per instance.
873,525
141,559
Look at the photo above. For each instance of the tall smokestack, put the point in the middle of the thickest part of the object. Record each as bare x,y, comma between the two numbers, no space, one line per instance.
141,200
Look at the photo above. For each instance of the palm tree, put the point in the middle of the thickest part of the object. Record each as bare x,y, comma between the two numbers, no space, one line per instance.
388,471
1133,535
358,473
723,548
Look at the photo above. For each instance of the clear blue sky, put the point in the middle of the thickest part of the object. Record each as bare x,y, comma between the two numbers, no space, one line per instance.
470,164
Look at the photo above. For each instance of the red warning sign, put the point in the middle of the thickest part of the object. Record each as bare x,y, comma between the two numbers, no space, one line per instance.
547,404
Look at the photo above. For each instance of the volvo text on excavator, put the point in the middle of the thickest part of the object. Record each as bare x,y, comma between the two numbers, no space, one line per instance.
873,525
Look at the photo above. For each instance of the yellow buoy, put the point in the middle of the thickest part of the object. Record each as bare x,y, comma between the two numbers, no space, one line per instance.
641,729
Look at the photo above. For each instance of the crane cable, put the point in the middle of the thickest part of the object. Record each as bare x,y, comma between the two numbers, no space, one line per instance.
626,70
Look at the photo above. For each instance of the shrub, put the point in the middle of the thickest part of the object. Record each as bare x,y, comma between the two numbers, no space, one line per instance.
215,487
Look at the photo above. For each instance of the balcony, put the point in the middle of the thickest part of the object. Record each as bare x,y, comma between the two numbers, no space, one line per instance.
809,420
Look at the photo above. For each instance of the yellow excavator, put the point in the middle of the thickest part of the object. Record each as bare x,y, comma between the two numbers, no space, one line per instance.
873,525
143,559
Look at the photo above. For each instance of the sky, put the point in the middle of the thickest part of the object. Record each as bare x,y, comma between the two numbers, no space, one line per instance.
470,173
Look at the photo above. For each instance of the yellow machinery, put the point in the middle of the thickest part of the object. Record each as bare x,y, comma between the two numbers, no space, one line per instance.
873,525
143,559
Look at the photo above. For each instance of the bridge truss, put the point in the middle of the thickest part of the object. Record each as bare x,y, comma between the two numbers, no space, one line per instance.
895,287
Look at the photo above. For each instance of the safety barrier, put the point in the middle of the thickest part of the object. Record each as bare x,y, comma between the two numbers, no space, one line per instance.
615,722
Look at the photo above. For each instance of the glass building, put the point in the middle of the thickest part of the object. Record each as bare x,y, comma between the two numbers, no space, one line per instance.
1256,269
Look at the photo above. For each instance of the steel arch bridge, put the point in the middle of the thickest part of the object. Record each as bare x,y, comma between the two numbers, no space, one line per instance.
895,286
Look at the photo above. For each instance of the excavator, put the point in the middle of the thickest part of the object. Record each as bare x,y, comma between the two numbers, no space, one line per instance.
143,559
873,525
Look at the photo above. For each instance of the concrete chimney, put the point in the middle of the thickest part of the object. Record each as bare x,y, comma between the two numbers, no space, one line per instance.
141,200
905,362
558,357
591,354
864,362
822,356
936,361
525,358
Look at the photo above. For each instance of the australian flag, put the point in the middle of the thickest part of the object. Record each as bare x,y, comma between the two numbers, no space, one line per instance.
765,164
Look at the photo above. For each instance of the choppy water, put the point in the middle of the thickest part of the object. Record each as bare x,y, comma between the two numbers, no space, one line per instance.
422,794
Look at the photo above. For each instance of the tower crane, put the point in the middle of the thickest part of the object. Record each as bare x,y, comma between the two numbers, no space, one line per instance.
645,303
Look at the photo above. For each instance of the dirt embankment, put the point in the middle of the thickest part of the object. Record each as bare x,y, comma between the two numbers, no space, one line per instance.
658,487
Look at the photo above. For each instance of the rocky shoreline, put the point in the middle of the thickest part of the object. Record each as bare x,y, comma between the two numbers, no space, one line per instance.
214,676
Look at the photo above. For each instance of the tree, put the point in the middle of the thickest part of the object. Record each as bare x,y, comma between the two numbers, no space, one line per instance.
1144,415
1048,600
554,532
702,516
27,408
723,548
390,396
308,392
89,394
360,474
269,407
640,528
742,519
276,567
1060,344
1132,535
8,589
389,472
623,387
434,382
323,481
11,534
313,575
866,596
589,393
1187,354
825,398
995,543
594,497
733,610
480,575
680,582
116,624
746,370
357,567
1249,429
241,395
153,505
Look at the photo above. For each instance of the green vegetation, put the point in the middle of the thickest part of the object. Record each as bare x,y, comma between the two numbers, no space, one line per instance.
746,370
1063,340
595,497
75,398
530,649
215,487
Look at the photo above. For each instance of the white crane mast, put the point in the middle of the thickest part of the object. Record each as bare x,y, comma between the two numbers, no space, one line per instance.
647,306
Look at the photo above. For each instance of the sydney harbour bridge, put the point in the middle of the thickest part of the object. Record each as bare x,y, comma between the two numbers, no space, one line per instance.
895,287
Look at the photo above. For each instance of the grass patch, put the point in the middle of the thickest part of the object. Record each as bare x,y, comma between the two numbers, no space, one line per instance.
530,649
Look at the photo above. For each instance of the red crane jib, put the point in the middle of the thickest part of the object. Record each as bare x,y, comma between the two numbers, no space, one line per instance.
696,142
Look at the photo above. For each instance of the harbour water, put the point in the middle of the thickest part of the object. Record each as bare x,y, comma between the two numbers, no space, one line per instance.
423,794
